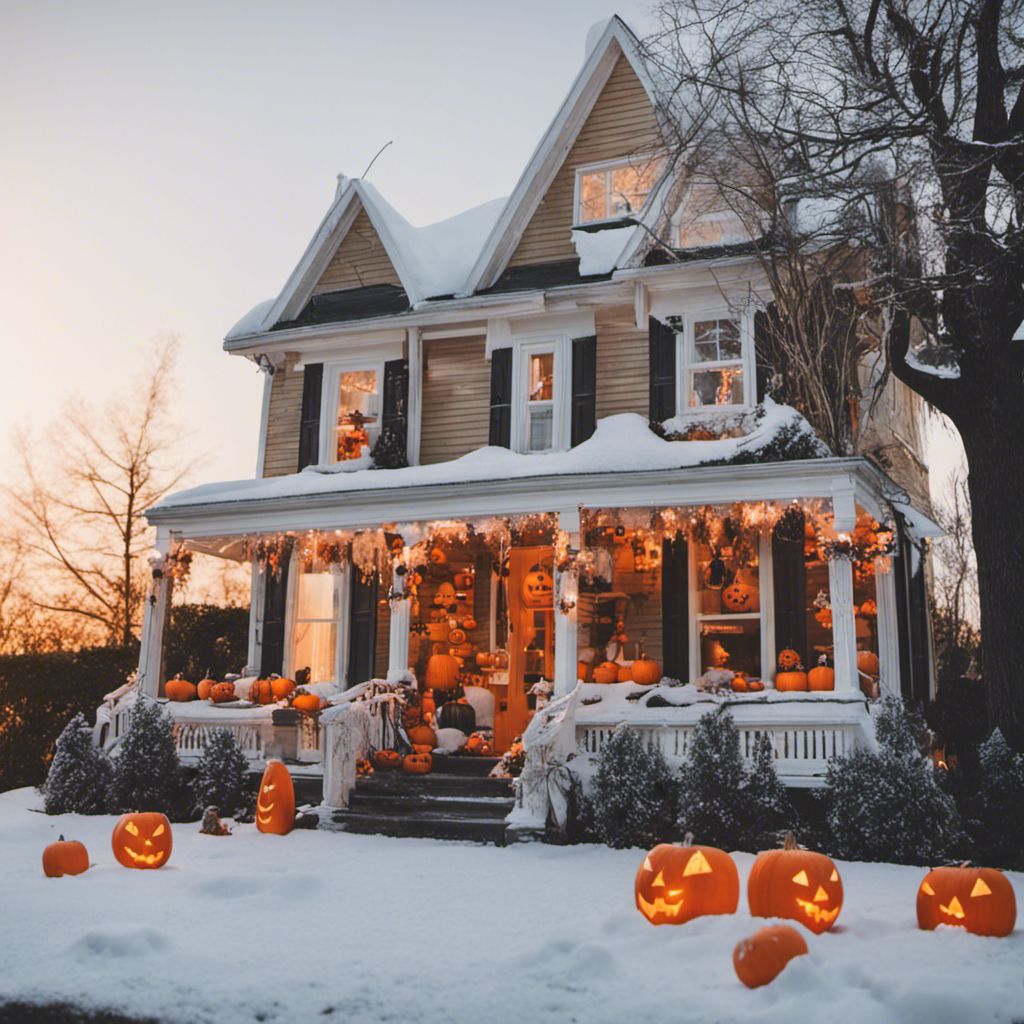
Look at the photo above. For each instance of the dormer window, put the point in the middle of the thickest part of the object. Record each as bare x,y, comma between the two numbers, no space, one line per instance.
715,356
705,217
614,189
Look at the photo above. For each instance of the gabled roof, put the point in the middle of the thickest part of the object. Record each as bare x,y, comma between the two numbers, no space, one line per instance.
614,41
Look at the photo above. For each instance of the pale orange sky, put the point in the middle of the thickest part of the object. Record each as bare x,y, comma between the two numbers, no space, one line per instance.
163,166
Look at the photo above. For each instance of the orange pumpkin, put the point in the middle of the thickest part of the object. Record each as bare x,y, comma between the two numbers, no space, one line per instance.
204,688
417,764
646,671
387,760
422,748
142,840
220,693
607,672
538,588
821,677
469,624
788,659
437,556
363,766
762,957
755,685
424,735
625,674
980,900
478,745
65,857
275,801
798,884
261,691
675,884
427,704
789,682
583,670
180,689
307,702
443,671
739,684
282,687
867,662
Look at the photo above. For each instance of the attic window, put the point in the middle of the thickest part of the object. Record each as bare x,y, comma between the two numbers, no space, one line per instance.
707,217
614,189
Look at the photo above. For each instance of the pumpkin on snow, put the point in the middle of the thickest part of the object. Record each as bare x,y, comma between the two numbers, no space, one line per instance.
789,682
220,693
821,677
625,674
762,957
978,899
788,659
675,884
798,884
607,672
387,760
180,689
275,801
755,685
261,691
142,840
646,671
65,857
417,764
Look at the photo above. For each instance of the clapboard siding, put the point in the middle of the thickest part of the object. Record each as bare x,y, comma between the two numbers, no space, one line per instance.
456,398
622,370
281,455
621,123
360,260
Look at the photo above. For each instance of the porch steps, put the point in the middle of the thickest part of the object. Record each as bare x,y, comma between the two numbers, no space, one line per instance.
455,801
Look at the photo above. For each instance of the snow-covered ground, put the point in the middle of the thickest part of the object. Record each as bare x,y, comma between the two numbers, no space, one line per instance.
318,926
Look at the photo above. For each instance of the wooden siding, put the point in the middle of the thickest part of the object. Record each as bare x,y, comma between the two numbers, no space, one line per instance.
360,260
620,124
456,398
623,383
281,455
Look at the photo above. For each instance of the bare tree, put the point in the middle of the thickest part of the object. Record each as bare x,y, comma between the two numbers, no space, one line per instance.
80,506
906,119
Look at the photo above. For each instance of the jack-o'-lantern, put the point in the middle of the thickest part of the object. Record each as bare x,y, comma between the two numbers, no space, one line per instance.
646,671
179,689
142,840
762,957
821,677
282,687
607,672
437,556
978,899
261,691
867,662
788,659
675,884
538,588
799,884
275,801
423,734
65,857
456,636
417,764
204,687
741,597
387,760
789,682
443,671
307,702
444,597
221,693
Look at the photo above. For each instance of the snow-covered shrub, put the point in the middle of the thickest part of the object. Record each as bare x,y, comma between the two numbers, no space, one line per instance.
146,770
769,812
79,777
221,775
994,811
635,796
389,451
888,806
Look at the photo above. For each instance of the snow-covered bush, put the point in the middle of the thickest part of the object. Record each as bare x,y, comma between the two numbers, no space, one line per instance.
146,770
79,777
221,775
994,811
769,811
635,796
888,805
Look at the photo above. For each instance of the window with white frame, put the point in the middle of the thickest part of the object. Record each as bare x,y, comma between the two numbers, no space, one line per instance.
614,189
715,357
352,409
540,400
316,620
707,217
540,394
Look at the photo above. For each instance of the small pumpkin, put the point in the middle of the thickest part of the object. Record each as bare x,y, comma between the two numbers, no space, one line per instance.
307,702
179,689
788,659
387,760
424,735
142,840
762,957
427,704
417,764
282,687
646,671
584,670
204,687
741,597
798,884
275,801
625,674
422,748
606,672
65,857
791,682
755,685
981,900
867,662
456,636
484,659
739,684
469,624
443,671
220,693
675,884
821,677
261,691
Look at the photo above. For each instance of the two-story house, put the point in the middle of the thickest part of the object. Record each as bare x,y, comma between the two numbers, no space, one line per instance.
505,367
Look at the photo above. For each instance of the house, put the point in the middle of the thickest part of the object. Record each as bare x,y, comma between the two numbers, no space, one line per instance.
519,512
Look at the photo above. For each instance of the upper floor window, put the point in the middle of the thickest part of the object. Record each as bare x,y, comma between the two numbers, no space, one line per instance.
540,401
613,189
540,404
353,412
715,355
705,217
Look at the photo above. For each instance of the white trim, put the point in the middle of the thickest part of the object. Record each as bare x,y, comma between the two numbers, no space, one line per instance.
256,592
261,448
888,628
414,405
340,582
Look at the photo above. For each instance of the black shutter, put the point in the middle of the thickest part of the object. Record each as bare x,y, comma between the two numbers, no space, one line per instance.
584,389
395,406
762,363
275,596
675,616
501,398
309,423
912,623
662,370
790,589
362,629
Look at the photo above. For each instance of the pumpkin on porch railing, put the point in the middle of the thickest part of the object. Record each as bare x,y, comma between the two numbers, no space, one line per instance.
282,687
822,677
762,957
307,701
675,884
65,857
221,693
275,801
417,764
799,884
261,691
204,688
142,840
981,900
607,672
792,681
178,689
867,662
646,671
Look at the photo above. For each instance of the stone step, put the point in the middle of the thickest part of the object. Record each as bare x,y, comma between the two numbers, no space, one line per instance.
421,825
494,807
434,784
446,764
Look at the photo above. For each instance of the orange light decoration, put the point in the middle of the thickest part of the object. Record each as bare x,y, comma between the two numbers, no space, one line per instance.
275,801
142,840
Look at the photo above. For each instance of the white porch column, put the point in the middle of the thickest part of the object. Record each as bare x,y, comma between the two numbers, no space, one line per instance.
567,623
398,635
414,409
844,632
154,618
888,628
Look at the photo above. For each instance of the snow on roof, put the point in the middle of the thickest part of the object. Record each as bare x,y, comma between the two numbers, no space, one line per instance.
252,322
621,443
599,251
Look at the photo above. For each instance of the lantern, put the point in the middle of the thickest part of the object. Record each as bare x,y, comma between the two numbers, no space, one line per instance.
142,840
675,884
65,857
980,900
275,801
762,957
538,588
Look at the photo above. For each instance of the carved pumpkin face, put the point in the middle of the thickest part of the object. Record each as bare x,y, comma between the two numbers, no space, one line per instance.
675,884
417,764
741,597
788,659
444,597
538,588
978,899
798,884
142,840
220,693
275,802
387,760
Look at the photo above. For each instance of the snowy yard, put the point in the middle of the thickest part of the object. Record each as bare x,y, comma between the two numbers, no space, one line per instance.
316,926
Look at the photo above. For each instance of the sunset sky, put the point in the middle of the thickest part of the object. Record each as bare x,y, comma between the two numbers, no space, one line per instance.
163,166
